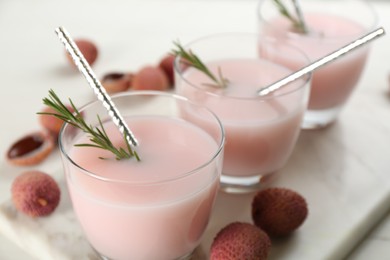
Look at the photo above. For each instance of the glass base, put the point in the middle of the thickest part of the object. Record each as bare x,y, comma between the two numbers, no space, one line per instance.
317,119
188,256
232,184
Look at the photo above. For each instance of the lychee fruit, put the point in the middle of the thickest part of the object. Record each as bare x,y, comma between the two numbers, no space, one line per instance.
150,78
238,241
31,149
116,82
35,193
278,211
87,48
166,64
50,122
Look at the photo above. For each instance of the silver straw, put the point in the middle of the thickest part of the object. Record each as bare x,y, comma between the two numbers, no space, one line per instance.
98,88
322,61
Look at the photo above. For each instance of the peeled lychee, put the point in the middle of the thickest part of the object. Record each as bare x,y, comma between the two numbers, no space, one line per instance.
150,78
278,211
239,241
35,193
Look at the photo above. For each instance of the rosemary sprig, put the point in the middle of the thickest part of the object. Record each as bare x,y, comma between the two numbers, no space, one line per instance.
194,61
97,136
298,21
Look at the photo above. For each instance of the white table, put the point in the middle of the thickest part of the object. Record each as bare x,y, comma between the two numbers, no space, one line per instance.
351,158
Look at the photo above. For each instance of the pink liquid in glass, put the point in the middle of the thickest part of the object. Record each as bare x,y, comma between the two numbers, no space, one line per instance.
153,209
260,132
332,84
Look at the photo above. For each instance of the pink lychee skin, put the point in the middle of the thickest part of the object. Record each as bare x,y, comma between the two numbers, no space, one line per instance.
239,241
88,49
50,122
150,78
35,193
279,211
166,64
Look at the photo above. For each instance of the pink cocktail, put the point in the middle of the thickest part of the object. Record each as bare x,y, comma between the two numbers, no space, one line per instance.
331,25
260,131
157,208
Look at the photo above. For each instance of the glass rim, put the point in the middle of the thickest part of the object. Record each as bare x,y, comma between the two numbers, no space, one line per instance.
368,7
306,78
220,142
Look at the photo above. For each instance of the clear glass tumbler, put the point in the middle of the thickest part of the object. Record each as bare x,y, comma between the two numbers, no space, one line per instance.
156,208
330,24
261,131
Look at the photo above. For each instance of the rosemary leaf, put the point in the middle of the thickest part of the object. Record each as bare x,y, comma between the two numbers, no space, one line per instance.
194,61
97,135
298,21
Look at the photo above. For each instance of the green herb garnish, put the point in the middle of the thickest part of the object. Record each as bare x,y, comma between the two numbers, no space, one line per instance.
193,60
297,21
97,135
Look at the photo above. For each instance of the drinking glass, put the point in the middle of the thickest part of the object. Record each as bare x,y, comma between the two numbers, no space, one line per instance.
155,208
261,131
330,24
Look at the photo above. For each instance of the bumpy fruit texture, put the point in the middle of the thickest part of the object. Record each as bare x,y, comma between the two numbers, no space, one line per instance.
150,78
279,211
35,193
239,241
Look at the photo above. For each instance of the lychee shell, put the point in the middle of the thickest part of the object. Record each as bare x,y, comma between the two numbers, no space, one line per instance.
35,156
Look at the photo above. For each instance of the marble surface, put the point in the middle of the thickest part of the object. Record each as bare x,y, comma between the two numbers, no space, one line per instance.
342,170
